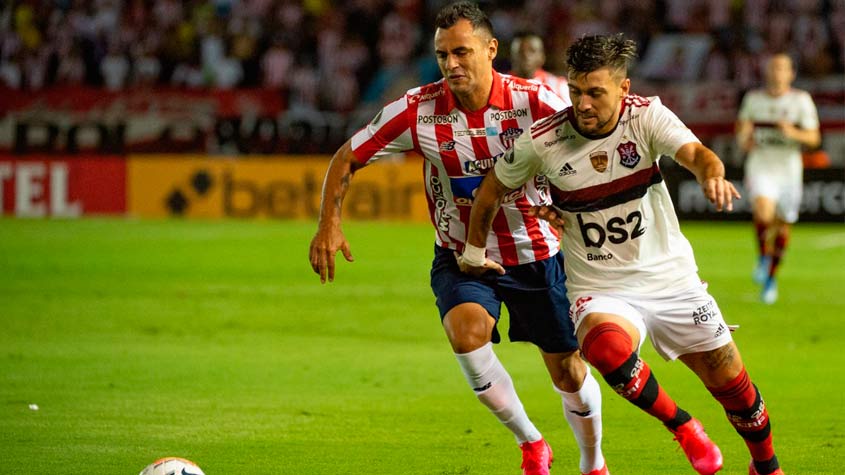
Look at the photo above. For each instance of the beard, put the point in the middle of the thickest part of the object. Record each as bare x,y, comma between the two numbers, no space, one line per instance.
593,129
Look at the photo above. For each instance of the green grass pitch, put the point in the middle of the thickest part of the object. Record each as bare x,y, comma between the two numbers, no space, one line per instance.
214,341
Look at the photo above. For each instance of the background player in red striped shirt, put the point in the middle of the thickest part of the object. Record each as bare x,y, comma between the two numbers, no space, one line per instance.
527,59
462,125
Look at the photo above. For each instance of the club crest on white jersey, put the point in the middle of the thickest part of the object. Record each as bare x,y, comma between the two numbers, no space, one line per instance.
621,230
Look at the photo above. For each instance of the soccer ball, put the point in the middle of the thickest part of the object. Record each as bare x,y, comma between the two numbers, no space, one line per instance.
172,466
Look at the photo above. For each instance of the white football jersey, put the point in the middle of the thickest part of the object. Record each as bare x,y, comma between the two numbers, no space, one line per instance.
773,152
621,232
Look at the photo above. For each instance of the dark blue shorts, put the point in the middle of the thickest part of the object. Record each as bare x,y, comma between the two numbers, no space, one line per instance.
534,294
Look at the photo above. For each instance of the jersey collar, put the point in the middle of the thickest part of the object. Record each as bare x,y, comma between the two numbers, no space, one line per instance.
497,95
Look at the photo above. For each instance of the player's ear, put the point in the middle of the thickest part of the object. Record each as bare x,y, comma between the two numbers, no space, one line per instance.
492,48
625,86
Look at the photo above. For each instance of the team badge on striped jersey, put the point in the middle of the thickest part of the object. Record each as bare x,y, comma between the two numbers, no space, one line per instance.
599,160
628,155
508,137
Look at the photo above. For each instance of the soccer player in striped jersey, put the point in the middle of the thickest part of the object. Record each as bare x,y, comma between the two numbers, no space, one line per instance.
773,124
462,125
527,59
630,271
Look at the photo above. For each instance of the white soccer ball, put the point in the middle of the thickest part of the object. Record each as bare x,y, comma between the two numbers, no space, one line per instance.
172,466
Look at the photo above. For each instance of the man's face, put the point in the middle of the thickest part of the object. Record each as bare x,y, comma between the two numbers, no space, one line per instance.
527,55
596,98
464,56
779,72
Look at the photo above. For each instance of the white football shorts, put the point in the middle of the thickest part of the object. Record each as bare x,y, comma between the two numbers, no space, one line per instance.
783,186
678,324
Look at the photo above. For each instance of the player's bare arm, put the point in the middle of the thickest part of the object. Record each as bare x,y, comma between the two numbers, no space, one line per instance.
329,238
745,135
710,173
484,208
811,138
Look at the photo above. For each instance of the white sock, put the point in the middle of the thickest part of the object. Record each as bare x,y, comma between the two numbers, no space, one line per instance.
583,412
494,388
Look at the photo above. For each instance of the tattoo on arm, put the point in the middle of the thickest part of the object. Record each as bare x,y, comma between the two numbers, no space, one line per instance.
344,185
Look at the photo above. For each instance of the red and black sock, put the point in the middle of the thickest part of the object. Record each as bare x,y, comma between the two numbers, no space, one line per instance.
761,231
608,348
747,413
781,241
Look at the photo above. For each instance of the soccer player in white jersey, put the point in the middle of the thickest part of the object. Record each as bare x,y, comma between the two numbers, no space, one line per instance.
461,125
630,271
773,124
527,59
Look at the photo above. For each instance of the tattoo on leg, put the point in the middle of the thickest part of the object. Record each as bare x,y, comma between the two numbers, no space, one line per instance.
720,357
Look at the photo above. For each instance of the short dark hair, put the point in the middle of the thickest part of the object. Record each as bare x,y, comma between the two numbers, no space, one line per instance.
590,53
451,14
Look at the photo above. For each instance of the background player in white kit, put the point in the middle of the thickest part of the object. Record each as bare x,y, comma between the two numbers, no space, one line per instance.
630,270
773,124
461,125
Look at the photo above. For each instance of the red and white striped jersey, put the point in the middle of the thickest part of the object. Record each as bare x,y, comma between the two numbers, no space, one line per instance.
459,147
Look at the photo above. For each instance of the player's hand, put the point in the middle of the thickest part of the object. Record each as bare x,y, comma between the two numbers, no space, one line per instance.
787,128
479,271
550,214
323,249
720,192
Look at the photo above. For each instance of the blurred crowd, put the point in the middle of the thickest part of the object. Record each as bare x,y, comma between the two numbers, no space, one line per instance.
334,55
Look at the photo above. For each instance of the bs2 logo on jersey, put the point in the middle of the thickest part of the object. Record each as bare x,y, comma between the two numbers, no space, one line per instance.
616,230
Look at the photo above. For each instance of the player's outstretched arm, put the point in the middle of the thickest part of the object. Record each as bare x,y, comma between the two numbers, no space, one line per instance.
484,208
744,135
329,238
710,173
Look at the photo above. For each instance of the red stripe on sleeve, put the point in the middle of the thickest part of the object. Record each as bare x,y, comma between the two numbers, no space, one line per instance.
551,123
382,138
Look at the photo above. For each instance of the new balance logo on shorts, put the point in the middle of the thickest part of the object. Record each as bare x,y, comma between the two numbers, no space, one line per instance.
483,388
567,170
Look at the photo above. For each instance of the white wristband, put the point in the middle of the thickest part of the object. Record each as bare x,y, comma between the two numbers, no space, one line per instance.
474,256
